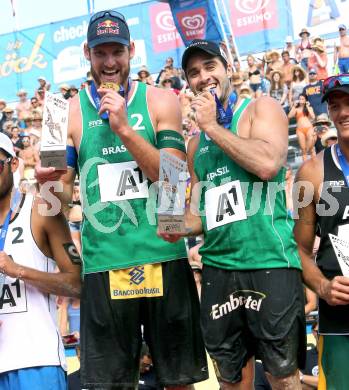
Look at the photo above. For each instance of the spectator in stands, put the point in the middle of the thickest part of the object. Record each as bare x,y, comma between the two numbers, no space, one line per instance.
291,48
299,81
64,90
245,91
274,63
236,81
75,217
42,82
16,140
147,377
314,94
309,377
238,70
40,95
304,114
70,317
254,76
318,60
73,91
286,68
278,89
10,121
23,106
2,114
329,138
168,83
321,125
303,49
35,105
35,131
30,157
144,76
341,50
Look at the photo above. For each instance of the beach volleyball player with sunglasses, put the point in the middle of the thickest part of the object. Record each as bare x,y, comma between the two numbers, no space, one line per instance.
323,209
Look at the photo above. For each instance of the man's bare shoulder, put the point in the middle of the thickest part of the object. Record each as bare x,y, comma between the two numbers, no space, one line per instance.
161,97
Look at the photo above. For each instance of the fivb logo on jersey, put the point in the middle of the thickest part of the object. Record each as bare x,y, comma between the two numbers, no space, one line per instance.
249,16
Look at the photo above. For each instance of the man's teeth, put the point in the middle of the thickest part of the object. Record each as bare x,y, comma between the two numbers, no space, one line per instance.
209,87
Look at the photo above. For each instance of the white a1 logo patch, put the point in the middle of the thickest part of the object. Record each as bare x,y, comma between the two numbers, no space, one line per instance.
224,204
122,181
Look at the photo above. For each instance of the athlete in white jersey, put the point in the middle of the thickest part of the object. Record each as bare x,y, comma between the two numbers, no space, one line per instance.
31,246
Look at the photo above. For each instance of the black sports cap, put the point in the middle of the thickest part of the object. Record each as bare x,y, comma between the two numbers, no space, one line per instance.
336,83
209,47
107,27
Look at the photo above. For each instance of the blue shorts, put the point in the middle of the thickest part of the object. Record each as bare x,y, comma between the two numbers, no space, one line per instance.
343,65
34,378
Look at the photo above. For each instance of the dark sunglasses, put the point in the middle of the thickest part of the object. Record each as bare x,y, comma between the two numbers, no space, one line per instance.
3,162
102,14
335,81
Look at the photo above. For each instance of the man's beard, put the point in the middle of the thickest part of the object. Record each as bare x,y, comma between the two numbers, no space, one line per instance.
123,76
6,186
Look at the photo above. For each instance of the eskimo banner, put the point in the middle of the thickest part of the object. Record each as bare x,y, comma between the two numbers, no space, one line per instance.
260,25
196,19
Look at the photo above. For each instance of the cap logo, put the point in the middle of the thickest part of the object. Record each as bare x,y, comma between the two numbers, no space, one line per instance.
108,27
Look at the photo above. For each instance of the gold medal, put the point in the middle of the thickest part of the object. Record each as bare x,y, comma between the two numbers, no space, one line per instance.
113,86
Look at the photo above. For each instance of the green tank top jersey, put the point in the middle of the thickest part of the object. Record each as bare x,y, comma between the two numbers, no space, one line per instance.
245,221
119,224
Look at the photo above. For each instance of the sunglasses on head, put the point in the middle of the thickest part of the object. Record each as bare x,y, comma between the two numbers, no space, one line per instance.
102,14
3,162
335,81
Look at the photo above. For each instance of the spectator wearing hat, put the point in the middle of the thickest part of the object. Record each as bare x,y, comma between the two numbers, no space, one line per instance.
42,86
238,70
278,89
23,106
329,138
144,76
64,90
341,50
274,63
303,49
9,121
321,125
299,81
73,91
236,81
168,83
291,48
313,91
245,92
318,60
286,67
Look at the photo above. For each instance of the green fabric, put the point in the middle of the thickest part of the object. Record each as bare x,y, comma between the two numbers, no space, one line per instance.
117,234
334,360
264,239
170,139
